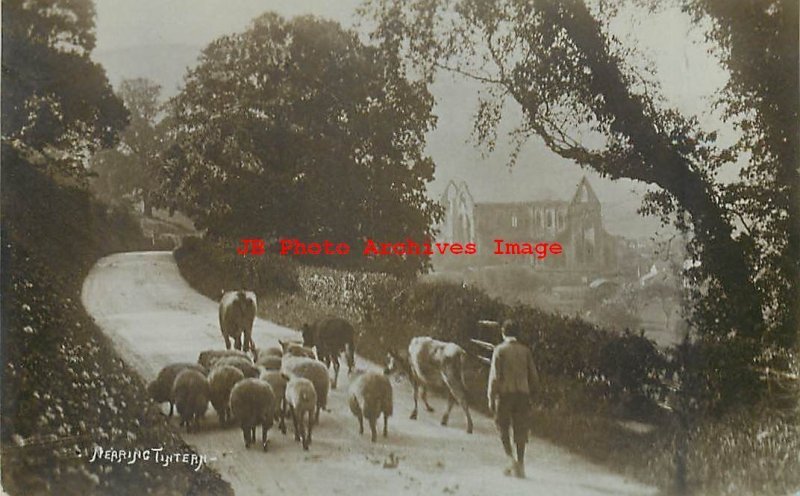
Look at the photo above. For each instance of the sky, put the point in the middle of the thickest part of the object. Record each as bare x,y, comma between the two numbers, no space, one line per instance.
159,39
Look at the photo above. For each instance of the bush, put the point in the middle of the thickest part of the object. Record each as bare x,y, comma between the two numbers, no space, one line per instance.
214,266
63,386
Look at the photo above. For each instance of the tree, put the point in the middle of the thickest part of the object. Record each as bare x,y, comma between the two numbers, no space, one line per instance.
571,77
296,129
758,43
132,167
57,104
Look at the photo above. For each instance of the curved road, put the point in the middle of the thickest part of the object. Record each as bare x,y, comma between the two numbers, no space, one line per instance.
153,317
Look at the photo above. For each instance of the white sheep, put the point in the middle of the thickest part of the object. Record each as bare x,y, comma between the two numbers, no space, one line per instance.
190,393
247,367
302,400
208,358
253,403
221,381
276,351
269,362
313,370
293,348
370,395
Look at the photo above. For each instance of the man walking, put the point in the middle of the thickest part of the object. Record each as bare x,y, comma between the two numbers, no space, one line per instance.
511,380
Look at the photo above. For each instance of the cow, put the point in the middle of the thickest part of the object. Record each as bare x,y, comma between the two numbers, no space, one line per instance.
237,311
331,336
436,363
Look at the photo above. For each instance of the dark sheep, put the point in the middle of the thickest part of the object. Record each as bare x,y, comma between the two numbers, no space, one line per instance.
252,404
190,393
220,383
161,388
370,395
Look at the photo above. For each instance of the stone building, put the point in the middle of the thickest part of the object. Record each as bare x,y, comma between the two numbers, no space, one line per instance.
576,224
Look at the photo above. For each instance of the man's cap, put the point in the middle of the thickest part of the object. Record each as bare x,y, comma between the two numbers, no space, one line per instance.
510,328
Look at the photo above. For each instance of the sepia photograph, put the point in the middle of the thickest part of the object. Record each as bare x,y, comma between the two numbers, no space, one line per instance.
400,247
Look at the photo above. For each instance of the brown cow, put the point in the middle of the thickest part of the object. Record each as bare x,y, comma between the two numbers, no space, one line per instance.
331,336
237,311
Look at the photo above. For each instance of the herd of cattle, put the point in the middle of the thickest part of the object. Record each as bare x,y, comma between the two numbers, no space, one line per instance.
292,380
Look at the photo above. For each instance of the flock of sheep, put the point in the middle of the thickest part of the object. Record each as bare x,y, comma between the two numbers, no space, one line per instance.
278,382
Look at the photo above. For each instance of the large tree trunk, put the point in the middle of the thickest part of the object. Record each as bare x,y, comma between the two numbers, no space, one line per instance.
723,256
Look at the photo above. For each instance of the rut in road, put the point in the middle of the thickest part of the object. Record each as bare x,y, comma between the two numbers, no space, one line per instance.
154,317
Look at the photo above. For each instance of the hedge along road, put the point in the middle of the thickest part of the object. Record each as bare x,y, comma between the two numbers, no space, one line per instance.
154,318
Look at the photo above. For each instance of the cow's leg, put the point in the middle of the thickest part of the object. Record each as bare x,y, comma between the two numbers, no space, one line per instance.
450,402
227,341
246,341
385,425
264,429
465,406
425,398
308,433
461,397
373,428
360,422
416,388
335,361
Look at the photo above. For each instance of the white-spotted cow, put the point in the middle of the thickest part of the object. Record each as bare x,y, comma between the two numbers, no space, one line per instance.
437,363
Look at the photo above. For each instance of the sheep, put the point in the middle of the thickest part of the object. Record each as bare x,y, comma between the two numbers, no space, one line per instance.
220,383
237,311
313,370
296,349
161,388
276,351
278,384
244,364
269,362
331,336
190,393
302,400
370,395
209,357
253,403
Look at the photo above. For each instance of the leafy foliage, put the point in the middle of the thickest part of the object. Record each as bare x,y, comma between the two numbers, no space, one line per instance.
132,167
57,104
215,267
296,129
581,91
64,388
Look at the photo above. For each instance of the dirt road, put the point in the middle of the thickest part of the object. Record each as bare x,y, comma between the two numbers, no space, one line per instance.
154,317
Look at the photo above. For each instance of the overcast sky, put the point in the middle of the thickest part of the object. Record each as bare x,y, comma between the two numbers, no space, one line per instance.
158,39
